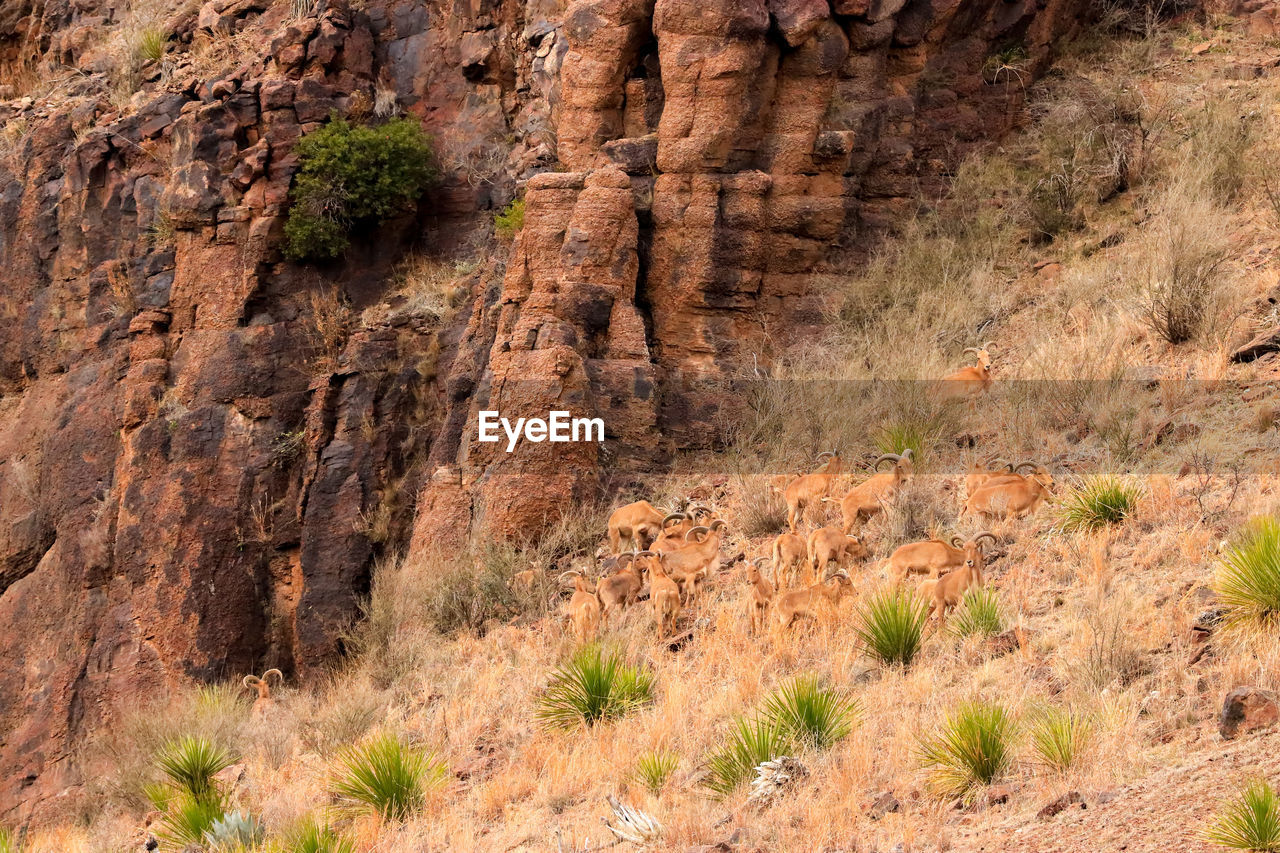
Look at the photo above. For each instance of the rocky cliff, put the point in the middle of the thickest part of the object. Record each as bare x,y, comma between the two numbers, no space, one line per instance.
203,448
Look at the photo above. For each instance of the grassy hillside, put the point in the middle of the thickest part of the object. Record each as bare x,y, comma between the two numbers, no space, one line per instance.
1116,250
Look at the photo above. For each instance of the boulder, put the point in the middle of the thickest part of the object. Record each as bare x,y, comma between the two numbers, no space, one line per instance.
1247,709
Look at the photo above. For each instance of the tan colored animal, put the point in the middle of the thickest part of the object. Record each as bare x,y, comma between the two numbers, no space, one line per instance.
618,591
949,589
1011,499
807,490
526,579
869,497
762,593
262,684
664,593
932,556
674,535
789,554
691,565
1015,474
827,544
981,471
809,601
637,523
583,608
970,381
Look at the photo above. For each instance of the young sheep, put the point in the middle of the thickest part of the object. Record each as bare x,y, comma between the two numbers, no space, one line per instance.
789,553
948,590
619,590
637,523
970,381
827,544
762,592
1011,499
808,489
980,473
869,497
583,609
262,684
806,602
663,592
693,563
933,556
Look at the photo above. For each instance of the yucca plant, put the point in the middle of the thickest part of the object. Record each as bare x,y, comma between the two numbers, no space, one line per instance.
1099,502
312,836
973,748
653,769
891,626
1247,581
592,687
752,740
1059,736
809,713
1248,821
386,777
190,763
979,614
188,820
917,436
151,44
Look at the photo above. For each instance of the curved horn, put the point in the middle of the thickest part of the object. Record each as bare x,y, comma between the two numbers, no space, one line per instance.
892,457
986,534
572,573
957,542
717,524
671,515
627,556
699,509
908,453
1026,464
697,529
277,673
826,454
251,681
759,561
989,345
973,350
644,554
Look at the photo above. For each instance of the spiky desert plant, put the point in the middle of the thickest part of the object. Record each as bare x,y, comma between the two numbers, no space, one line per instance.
386,777
187,821
919,436
233,830
312,836
1099,502
1247,580
190,763
594,686
972,748
151,44
1059,736
751,741
1250,820
979,613
654,768
891,626
811,714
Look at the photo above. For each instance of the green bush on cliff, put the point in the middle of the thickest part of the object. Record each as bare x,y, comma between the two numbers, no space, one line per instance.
352,177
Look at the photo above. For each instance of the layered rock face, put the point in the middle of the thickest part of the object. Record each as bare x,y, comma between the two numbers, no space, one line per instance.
202,449
758,138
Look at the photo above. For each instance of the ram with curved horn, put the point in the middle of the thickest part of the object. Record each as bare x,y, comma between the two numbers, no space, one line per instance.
619,590
807,490
932,557
948,590
637,524
968,382
869,497
698,559
980,471
1015,497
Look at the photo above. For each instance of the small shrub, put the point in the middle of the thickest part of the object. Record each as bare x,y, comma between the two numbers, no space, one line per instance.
972,749
191,763
1099,502
594,686
1248,821
918,437
891,626
762,511
386,777
978,614
809,714
151,44
1059,736
654,768
751,741
1247,581
312,836
351,177
187,820
510,220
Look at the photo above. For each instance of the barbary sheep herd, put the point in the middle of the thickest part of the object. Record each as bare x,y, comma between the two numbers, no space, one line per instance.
675,553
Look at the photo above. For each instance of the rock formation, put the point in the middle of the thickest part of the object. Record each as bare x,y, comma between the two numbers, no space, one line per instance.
203,449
